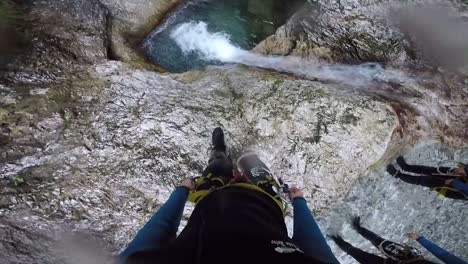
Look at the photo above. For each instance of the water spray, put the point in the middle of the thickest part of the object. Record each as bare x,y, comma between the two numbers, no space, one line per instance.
194,37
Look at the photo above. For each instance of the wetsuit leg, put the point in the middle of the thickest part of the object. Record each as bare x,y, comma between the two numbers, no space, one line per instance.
419,169
426,181
455,195
432,182
360,255
218,172
375,239
219,165
259,174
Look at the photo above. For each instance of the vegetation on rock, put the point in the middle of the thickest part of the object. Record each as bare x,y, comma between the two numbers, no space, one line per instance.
10,22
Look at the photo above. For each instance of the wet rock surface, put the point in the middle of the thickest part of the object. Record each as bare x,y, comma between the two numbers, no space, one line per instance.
347,31
147,132
391,208
60,36
90,148
369,31
130,22
41,86
350,31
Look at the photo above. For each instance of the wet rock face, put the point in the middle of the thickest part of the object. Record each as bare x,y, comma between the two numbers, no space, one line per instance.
11,42
130,22
38,87
58,36
43,84
93,147
350,31
298,127
135,15
355,31
79,26
34,246
392,208
51,32
346,31
148,131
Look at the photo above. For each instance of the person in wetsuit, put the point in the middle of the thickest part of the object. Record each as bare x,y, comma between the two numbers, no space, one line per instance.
238,218
394,252
448,182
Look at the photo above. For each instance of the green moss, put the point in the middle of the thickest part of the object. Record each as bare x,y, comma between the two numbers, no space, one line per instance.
61,98
276,84
9,13
11,41
312,93
3,113
17,180
272,77
349,118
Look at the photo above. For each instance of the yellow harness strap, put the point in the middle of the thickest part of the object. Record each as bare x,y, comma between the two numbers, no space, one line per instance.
197,196
443,191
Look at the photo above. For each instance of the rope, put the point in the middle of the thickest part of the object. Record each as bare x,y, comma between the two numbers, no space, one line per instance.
451,162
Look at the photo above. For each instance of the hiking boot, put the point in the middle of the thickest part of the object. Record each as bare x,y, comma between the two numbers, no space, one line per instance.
336,238
402,163
251,166
393,171
220,169
217,139
356,222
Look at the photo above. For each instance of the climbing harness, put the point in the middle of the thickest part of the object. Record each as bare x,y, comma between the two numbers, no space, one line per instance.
442,191
207,184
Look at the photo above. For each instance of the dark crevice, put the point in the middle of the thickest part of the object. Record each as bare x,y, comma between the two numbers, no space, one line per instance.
108,38
110,53
355,49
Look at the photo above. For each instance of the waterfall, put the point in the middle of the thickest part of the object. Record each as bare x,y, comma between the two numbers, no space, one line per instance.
194,37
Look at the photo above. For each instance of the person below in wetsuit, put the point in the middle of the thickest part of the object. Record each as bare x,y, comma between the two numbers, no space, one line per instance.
394,252
238,218
437,251
448,182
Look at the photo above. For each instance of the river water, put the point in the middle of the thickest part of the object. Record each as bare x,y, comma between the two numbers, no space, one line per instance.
246,22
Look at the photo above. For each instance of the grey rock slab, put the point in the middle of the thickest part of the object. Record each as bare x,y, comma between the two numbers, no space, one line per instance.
149,131
391,208
351,31
131,21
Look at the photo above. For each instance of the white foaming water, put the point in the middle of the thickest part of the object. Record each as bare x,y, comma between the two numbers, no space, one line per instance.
195,37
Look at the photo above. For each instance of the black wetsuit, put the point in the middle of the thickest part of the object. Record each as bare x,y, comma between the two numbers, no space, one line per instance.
235,225
433,178
383,245
232,224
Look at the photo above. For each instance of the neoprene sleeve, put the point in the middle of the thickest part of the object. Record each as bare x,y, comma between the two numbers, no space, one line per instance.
161,228
460,186
307,234
439,252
